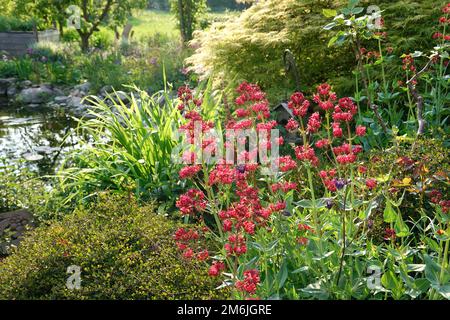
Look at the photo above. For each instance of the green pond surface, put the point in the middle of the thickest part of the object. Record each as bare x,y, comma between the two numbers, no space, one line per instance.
36,137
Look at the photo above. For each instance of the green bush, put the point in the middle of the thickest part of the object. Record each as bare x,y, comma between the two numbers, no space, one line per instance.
14,24
124,252
251,46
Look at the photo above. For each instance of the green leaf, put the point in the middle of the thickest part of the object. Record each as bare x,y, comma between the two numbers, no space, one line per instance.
302,269
329,13
389,214
390,281
401,229
282,275
332,41
330,26
352,4
444,291
432,270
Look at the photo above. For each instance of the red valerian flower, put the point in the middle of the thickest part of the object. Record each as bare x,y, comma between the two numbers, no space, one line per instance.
188,254
286,163
191,202
184,94
236,245
314,123
324,97
285,187
345,110
446,8
362,169
222,174
250,282
371,183
292,125
322,143
389,234
216,268
203,255
298,104
360,131
189,171
306,154
302,241
337,130
346,158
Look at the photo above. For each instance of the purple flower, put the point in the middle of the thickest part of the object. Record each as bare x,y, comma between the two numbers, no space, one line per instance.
329,204
241,168
340,183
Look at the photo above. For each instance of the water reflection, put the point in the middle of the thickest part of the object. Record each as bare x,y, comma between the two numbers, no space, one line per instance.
39,135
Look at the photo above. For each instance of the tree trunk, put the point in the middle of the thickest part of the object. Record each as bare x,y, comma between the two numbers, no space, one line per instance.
84,41
61,28
181,14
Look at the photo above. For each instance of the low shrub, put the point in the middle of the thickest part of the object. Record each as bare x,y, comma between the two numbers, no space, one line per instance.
124,252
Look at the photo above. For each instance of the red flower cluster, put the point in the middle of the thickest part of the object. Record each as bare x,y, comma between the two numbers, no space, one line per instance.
252,93
189,171
185,239
285,187
436,198
286,163
389,234
325,98
328,179
371,183
292,125
408,63
216,268
306,153
345,154
298,104
314,123
304,230
360,131
191,202
345,110
250,282
322,143
186,96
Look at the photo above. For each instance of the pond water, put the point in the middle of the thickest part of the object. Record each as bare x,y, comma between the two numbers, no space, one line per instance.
37,137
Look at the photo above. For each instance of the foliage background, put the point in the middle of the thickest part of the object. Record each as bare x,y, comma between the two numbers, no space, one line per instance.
250,47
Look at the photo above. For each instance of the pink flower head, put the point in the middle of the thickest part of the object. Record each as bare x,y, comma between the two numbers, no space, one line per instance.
298,104
250,282
292,125
360,131
314,123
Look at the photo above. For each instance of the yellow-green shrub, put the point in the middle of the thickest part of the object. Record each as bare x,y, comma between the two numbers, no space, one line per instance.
125,252
250,47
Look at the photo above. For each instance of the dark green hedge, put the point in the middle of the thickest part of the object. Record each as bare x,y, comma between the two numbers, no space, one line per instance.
125,252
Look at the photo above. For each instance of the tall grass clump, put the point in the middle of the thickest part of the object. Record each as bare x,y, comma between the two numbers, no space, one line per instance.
128,148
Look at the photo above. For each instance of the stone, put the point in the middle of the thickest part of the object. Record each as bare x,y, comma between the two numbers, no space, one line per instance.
105,90
60,99
84,87
15,223
5,84
26,84
35,95
11,91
